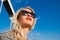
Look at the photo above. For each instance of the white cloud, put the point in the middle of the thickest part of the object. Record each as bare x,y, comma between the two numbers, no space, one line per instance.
29,39
34,36
21,1
37,33
18,1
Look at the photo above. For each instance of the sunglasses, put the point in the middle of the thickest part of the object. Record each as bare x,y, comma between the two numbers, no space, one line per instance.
25,13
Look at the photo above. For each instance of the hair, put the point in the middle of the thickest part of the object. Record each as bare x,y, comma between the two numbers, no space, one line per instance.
16,26
16,16
24,8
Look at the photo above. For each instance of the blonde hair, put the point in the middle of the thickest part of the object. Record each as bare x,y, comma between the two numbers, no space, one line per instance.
16,26
18,12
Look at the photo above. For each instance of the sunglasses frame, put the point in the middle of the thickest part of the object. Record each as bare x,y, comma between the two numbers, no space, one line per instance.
23,12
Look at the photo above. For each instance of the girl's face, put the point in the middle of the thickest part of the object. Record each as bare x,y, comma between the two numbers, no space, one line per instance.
26,17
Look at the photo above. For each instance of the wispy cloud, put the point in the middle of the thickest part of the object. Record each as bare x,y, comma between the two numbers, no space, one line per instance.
40,36
34,36
18,1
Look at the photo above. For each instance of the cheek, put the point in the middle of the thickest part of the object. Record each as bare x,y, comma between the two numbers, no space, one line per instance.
22,19
33,21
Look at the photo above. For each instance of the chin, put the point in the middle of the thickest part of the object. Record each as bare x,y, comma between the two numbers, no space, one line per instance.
29,24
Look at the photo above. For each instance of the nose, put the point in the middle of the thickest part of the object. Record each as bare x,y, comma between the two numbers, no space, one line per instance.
28,14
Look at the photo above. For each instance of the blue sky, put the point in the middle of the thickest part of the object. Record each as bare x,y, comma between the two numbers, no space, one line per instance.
48,18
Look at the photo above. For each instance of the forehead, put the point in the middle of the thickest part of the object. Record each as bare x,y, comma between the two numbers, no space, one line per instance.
27,10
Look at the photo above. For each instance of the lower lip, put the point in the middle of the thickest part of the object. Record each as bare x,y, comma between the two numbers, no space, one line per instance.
29,19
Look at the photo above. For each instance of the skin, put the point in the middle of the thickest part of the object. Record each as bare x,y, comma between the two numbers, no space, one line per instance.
26,23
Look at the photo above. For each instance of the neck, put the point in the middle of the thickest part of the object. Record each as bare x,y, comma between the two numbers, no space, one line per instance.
25,30
20,32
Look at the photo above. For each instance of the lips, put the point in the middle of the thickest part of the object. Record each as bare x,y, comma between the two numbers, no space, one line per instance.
29,19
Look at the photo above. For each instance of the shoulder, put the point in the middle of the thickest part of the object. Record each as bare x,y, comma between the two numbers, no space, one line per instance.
5,36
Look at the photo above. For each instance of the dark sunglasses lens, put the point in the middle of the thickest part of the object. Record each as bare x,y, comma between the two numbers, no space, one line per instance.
25,12
33,15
